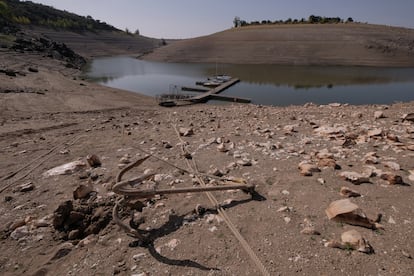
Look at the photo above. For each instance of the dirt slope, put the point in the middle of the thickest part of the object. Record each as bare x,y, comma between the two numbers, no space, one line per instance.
330,44
102,43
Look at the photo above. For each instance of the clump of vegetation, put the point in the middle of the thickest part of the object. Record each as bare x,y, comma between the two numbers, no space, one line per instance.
22,13
313,19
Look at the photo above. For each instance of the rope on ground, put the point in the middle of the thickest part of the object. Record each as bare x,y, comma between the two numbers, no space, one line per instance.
46,156
182,169
193,167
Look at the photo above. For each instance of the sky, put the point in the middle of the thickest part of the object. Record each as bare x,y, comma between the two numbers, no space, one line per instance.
192,18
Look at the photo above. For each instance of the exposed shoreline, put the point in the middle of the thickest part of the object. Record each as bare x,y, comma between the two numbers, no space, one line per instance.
50,111
327,44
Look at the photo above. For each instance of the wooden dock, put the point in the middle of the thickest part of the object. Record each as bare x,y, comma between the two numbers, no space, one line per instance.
194,89
229,98
208,95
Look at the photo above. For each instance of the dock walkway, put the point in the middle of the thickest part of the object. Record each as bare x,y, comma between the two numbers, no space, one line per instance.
207,95
211,94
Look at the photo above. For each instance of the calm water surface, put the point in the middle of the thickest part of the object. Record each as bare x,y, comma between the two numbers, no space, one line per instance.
264,84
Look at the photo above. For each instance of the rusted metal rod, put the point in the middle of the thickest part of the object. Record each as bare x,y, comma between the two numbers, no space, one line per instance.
126,189
136,193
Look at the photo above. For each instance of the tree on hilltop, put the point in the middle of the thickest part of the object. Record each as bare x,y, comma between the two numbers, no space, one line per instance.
237,22
312,19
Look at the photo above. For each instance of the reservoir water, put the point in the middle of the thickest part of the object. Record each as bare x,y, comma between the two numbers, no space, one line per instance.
264,84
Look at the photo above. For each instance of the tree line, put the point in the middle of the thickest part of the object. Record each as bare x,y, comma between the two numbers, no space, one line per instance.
27,12
313,19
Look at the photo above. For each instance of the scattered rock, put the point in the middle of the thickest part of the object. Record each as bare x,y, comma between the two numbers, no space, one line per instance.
321,181
244,162
371,158
284,209
68,168
62,251
216,172
393,138
8,198
309,230
352,240
213,229
347,192
347,212
354,177
211,218
328,162
27,187
406,254
391,220
411,176
126,159
74,234
285,192
307,169
329,130
41,223
166,145
41,272
379,115
172,244
324,154
222,148
370,171
289,128
139,257
185,131
392,178
91,239
392,165
20,232
62,213
408,117
357,115
349,142
375,132
410,147
82,191
16,224
93,161
33,70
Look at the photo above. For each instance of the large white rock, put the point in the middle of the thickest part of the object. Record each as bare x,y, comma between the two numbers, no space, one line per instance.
68,168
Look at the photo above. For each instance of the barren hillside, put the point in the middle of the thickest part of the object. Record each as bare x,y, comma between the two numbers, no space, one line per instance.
102,43
328,44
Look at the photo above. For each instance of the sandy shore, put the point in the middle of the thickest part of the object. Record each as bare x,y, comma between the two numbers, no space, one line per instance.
50,117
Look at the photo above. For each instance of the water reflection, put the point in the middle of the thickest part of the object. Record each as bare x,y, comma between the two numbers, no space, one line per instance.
264,84
315,76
